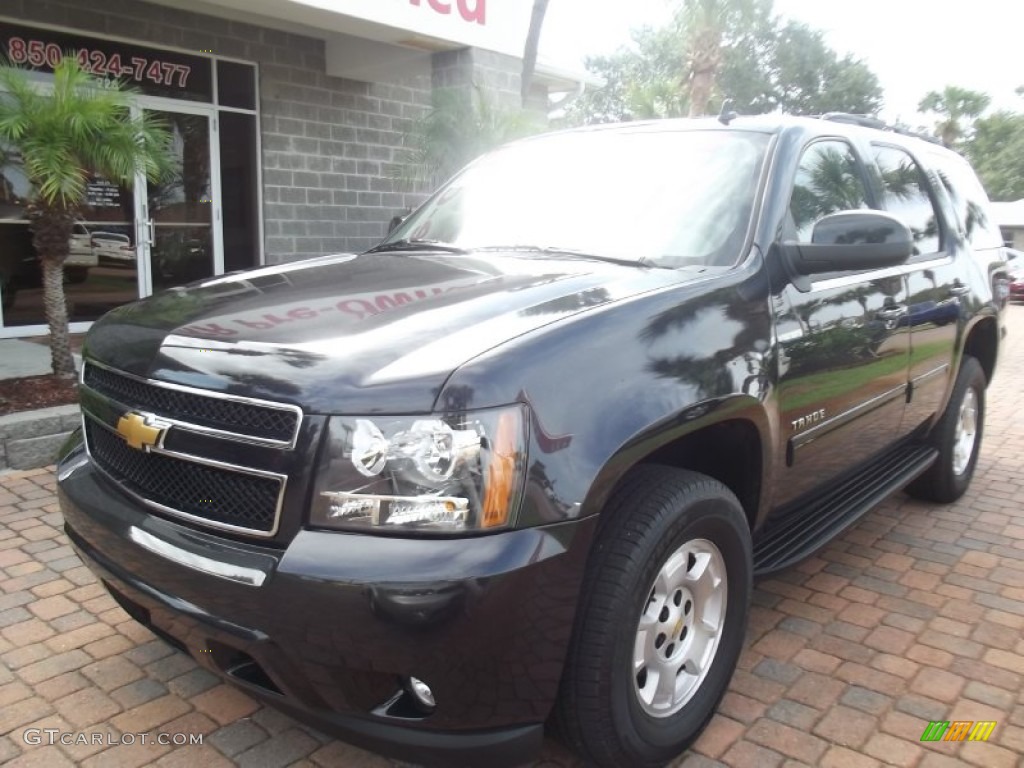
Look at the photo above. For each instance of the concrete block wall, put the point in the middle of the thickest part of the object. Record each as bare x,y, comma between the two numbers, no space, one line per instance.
330,151
497,75
328,143
31,439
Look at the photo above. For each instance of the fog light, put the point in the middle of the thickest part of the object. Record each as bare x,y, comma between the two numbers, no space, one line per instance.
422,693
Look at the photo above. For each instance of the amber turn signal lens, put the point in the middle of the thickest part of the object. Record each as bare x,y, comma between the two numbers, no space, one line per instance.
501,471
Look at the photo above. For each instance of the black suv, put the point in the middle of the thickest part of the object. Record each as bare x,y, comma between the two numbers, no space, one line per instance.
520,463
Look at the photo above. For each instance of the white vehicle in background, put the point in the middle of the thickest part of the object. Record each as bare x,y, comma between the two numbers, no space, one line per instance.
81,257
113,247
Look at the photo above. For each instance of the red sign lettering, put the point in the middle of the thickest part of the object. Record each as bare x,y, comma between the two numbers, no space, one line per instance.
469,10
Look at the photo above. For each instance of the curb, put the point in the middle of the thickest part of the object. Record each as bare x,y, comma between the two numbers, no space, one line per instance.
31,439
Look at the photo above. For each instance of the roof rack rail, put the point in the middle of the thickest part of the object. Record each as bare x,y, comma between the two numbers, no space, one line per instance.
873,122
863,120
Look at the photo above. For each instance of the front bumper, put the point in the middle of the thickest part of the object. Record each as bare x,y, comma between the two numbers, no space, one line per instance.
341,620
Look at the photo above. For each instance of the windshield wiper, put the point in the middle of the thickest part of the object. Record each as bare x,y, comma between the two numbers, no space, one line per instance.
418,245
570,252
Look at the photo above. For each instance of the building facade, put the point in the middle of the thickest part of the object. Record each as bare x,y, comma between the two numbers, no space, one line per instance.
288,123
1010,218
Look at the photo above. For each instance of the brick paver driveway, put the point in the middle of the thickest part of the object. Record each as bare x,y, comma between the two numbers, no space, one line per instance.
916,614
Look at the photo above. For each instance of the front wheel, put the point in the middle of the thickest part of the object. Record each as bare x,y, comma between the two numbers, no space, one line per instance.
957,436
661,620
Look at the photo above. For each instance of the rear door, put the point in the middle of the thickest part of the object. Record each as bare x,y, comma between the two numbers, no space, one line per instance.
843,341
934,281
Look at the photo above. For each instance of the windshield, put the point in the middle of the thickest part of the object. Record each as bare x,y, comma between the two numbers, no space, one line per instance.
669,198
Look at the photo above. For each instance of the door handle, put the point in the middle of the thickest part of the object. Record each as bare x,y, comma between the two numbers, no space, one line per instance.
891,313
958,289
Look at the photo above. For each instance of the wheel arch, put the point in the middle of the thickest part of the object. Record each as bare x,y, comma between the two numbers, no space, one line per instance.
728,440
981,341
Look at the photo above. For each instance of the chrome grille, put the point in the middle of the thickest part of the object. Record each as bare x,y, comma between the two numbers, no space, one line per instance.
212,495
241,418
189,465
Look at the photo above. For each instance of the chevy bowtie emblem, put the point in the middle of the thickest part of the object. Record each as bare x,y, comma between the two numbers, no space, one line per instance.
139,432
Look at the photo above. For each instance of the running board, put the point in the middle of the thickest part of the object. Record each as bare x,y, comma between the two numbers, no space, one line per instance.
786,539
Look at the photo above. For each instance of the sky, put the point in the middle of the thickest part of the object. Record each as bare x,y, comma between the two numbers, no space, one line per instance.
914,46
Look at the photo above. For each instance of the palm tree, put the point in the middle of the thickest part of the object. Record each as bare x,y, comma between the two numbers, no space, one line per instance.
540,9
64,137
461,125
953,105
705,25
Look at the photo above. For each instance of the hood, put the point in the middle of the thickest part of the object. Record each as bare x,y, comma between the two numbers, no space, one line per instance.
376,333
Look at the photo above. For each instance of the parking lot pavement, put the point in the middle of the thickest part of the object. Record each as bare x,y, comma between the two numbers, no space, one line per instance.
914,615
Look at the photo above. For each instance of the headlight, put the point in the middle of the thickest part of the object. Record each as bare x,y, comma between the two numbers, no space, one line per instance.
425,474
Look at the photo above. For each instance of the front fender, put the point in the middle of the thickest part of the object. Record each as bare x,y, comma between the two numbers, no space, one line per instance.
608,384
700,416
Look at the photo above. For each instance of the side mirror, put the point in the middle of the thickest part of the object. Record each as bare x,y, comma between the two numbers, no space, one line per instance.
850,241
395,223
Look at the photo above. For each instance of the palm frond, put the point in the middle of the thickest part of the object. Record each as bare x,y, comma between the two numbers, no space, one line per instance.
461,125
80,128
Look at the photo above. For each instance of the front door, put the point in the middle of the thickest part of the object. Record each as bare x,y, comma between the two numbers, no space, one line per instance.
178,216
843,339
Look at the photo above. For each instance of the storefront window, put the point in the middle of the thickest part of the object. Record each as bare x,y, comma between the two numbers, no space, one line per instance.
155,72
236,85
239,191
132,241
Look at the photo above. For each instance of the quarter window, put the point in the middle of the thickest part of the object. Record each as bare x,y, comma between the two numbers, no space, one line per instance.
969,200
905,195
827,181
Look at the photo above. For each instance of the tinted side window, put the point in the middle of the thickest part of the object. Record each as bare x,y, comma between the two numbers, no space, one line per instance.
969,200
905,195
827,181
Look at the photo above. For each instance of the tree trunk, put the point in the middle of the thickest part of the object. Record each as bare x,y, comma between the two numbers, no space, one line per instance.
51,234
705,63
700,92
540,9
57,320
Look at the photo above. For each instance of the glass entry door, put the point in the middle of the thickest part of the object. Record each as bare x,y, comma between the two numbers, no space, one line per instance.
178,233
129,240
101,271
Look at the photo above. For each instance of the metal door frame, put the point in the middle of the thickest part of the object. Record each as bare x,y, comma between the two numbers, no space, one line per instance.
144,249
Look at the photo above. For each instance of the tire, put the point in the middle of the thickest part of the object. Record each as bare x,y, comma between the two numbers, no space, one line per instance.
656,519
948,478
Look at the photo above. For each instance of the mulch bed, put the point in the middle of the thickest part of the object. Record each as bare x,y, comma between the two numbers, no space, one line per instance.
31,392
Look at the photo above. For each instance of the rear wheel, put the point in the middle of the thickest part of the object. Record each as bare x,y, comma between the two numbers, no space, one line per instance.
957,436
661,621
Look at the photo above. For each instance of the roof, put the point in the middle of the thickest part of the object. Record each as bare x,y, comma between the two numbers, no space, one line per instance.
1009,214
775,123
